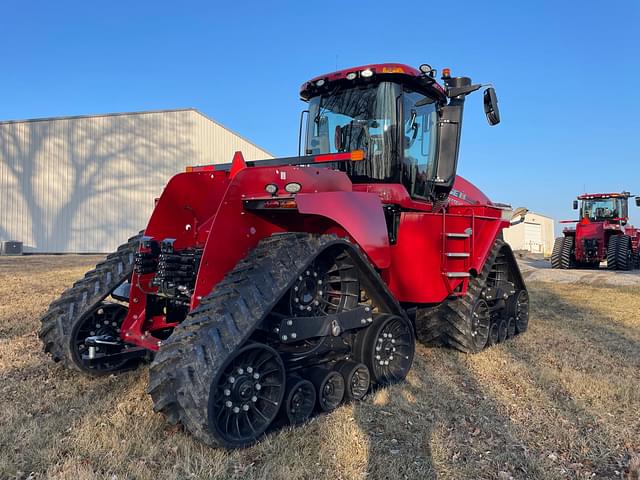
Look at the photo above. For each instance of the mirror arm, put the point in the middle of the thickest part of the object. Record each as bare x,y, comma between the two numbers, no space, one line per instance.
453,92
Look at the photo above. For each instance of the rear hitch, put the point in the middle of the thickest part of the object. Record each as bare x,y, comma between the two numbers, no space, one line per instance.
107,341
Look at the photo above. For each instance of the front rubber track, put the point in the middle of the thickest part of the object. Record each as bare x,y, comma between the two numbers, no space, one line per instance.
64,313
191,359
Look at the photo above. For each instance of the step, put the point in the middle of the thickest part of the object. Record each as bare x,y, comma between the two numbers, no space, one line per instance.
458,255
458,274
458,235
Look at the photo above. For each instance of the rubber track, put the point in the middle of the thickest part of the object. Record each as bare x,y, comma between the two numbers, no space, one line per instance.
85,294
189,361
623,260
556,254
612,253
449,324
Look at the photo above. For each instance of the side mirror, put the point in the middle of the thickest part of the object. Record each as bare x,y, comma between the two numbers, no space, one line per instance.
491,106
638,201
575,204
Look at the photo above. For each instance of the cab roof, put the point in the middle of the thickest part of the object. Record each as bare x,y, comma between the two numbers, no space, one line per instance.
373,72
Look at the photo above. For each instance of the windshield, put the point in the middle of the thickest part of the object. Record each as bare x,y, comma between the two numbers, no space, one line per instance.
601,209
395,128
357,118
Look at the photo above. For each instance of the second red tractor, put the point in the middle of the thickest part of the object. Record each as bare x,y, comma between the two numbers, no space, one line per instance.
602,233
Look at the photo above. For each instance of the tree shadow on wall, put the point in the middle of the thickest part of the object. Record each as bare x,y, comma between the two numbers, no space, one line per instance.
82,183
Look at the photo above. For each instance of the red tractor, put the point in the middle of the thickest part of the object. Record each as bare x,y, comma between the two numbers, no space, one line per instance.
266,291
601,234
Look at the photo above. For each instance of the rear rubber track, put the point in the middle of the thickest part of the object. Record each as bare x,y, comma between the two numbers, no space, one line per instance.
449,324
191,359
85,294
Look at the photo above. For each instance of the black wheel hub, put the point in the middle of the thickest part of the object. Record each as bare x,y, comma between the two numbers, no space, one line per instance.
393,352
327,286
307,294
247,394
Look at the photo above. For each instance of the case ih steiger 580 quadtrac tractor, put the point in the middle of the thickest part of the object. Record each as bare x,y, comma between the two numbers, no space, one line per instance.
266,291
601,234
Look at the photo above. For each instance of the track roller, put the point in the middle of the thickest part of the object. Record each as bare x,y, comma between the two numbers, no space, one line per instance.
493,334
299,400
502,330
329,386
356,378
511,327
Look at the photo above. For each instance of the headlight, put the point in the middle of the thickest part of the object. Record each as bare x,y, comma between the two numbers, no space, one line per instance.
271,188
292,187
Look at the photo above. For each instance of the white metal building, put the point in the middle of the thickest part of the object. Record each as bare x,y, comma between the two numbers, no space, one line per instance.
535,234
85,184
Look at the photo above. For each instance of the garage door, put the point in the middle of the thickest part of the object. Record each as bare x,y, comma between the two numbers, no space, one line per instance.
533,237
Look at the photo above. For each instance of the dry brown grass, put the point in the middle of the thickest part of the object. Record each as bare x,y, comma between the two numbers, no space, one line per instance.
561,401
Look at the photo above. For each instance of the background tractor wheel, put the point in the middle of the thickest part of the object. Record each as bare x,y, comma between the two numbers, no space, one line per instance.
562,255
556,254
624,254
612,253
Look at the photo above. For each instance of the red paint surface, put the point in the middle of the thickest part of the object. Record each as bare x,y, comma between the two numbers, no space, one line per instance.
206,209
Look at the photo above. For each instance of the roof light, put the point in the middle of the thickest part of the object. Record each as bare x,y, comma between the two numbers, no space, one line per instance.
271,188
351,75
292,187
446,72
425,68
392,70
366,73
320,82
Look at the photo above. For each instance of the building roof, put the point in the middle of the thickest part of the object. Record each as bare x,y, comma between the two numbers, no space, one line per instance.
143,112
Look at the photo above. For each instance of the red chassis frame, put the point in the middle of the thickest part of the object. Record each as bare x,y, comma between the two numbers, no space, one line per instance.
434,255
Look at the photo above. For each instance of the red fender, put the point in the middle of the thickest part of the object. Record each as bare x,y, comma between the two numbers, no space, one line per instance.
360,214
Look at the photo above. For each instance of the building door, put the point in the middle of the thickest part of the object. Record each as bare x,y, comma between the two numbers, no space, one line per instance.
533,237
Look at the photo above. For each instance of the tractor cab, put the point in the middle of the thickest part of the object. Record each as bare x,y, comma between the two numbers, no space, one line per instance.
407,125
603,207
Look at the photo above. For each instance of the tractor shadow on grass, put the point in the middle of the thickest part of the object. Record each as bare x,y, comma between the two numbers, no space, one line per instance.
543,405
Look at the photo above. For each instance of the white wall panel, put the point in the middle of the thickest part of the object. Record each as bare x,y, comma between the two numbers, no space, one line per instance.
84,184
